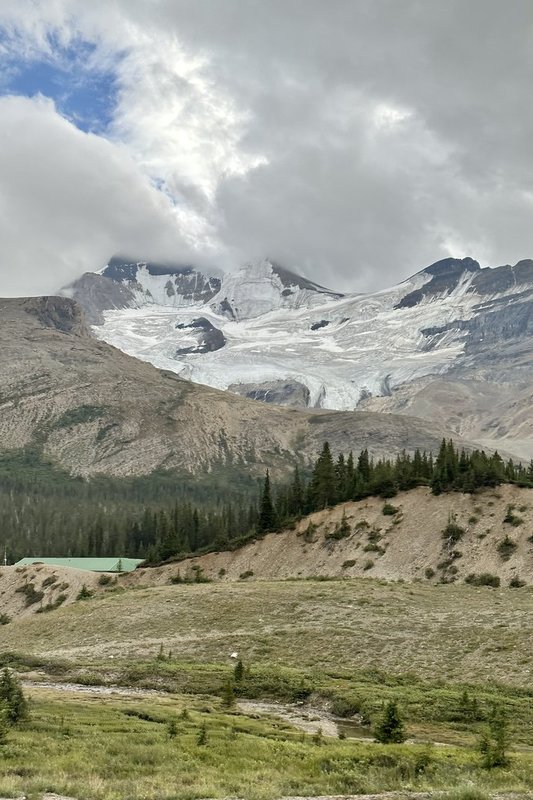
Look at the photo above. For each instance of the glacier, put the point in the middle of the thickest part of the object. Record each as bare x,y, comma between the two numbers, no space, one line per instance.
277,326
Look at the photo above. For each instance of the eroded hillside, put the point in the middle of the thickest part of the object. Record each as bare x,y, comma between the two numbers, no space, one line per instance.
415,536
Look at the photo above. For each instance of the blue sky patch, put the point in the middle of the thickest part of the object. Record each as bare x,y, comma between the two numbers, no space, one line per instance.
83,91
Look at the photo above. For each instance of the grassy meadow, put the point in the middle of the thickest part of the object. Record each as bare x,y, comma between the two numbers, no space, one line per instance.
446,654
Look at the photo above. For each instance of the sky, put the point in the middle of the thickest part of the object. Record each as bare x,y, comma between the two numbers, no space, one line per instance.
354,141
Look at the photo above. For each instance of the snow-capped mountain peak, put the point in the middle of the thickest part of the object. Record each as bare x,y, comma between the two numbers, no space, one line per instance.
263,286
270,334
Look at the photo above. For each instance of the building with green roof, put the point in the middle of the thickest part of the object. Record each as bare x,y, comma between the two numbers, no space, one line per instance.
114,564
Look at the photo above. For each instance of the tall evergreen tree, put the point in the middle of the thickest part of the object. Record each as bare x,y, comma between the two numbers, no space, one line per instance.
323,486
267,517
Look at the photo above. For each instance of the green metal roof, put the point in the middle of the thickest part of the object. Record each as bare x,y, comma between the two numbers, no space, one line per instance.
115,564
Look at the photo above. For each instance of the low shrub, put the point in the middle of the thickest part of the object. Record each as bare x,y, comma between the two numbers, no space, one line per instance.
483,579
506,548
32,594
84,593
511,518
389,510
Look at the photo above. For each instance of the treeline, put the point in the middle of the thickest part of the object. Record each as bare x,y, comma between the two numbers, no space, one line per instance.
96,521
45,511
354,478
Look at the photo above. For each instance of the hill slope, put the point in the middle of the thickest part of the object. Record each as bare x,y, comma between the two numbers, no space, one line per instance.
396,546
94,409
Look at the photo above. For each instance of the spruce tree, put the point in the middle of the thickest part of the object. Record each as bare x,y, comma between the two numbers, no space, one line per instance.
494,742
3,723
390,728
12,697
238,672
267,517
323,486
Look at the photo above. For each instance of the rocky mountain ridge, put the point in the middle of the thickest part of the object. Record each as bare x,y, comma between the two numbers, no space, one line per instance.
439,344
93,409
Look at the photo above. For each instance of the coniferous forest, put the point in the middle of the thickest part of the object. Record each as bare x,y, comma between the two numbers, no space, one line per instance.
47,512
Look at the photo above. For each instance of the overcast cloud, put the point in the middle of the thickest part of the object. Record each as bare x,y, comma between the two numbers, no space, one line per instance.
356,140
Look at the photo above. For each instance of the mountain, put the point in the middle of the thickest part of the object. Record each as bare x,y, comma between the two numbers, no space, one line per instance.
454,340
93,409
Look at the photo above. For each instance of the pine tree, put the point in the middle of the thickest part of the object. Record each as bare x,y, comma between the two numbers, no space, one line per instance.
296,495
238,673
12,697
201,739
390,729
267,518
3,724
228,697
323,486
494,742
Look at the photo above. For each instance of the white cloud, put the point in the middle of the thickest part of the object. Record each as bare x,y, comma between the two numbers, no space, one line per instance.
355,140
68,199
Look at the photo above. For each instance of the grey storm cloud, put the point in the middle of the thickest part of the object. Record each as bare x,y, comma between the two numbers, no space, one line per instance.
356,140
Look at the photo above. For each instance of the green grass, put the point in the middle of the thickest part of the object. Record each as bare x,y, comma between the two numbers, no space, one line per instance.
340,643
95,748
353,624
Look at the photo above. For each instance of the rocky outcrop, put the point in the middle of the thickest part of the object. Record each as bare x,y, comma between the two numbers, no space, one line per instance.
207,337
282,393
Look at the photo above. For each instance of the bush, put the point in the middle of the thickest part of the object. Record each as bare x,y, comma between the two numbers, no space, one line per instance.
5,619
483,579
516,583
350,562
105,580
248,574
84,593
31,593
453,532
429,573
341,530
506,548
343,707
60,599
368,564
309,533
511,518
389,510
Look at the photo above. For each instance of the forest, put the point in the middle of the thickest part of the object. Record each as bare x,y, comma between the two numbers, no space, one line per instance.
44,511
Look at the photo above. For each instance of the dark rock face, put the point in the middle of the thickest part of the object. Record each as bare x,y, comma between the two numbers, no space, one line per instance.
282,393
501,279
289,278
183,279
207,336
97,293
446,274
321,324
60,313
117,285
121,268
